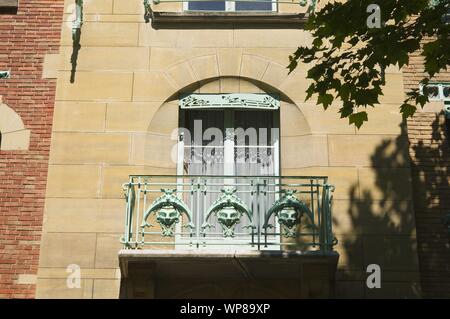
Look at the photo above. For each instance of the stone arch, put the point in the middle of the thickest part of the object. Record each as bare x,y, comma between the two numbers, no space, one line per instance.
158,144
13,135
234,62
293,113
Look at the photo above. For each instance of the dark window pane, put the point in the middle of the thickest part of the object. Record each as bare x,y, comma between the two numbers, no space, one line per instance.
432,91
446,92
256,6
207,6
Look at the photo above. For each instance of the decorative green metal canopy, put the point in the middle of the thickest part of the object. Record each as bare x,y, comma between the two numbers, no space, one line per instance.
234,100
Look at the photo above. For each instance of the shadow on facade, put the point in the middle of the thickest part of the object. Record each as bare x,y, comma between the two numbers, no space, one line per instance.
431,178
381,226
383,215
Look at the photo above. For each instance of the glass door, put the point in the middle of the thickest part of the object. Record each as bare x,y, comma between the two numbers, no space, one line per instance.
229,142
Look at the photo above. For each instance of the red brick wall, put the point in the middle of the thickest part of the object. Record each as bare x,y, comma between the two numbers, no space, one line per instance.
25,38
430,159
415,72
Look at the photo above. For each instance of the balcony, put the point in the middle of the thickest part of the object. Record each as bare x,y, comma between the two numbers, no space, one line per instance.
251,232
236,228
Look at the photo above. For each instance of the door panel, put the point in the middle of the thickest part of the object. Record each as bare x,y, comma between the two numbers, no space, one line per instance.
254,143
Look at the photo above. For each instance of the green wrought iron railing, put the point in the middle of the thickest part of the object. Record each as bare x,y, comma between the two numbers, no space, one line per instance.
220,212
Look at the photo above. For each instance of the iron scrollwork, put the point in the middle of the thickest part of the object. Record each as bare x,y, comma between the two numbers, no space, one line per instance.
289,210
229,210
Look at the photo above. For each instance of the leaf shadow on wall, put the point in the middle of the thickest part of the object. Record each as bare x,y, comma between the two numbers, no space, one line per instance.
376,226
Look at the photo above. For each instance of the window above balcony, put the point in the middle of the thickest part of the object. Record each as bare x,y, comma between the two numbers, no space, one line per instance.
231,6
266,13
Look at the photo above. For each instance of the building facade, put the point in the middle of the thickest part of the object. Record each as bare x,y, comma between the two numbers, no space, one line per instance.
30,34
135,205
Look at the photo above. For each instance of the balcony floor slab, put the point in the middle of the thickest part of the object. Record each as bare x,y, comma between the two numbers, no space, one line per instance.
231,264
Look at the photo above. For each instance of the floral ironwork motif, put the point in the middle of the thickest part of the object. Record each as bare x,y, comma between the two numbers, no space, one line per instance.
289,210
168,209
229,210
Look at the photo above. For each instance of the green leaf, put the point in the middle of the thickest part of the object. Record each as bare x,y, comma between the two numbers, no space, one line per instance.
358,118
317,42
356,74
421,100
347,109
325,100
292,65
403,59
310,91
407,110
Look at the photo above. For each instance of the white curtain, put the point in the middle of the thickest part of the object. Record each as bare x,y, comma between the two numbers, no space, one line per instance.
253,156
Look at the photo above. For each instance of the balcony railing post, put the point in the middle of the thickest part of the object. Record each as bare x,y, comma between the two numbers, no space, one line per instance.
258,219
322,213
130,199
326,219
125,238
